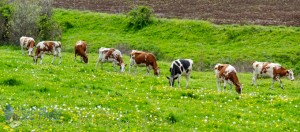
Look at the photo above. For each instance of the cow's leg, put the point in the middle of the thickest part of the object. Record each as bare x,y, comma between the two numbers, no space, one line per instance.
97,61
59,55
254,78
278,79
218,82
179,81
114,64
22,49
224,84
135,66
273,80
187,80
230,84
54,55
42,56
129,68
75,56
148,69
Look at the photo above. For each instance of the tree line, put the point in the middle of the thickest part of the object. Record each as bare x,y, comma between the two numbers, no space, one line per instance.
27,18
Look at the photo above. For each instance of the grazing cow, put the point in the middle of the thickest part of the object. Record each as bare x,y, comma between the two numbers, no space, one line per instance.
227,74
111,55
178,68
273,70
80,49
27,43
140,58
53,47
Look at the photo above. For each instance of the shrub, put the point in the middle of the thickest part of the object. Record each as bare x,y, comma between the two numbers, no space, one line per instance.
6,11
139,17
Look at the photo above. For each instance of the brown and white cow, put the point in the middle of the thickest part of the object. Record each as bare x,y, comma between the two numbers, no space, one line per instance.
27,43
53,47
273,70
226,73
111,55
140,58
80,49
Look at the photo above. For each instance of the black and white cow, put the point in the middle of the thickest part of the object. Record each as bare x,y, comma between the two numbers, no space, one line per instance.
178,68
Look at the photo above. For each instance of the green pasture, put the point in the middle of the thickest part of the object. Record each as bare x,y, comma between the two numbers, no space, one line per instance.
169,39
73,96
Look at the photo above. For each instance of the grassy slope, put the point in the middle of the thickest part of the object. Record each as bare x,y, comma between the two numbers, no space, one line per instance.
206,43
78,97
75,96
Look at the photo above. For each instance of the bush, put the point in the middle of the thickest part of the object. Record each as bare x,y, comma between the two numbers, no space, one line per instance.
6,11
139,17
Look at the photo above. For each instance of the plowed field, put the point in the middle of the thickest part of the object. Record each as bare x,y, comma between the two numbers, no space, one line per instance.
263,12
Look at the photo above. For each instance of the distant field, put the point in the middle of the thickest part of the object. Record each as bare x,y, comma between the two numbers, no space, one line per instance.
77,97
262,12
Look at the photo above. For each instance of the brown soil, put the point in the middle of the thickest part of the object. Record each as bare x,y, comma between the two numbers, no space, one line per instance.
263,12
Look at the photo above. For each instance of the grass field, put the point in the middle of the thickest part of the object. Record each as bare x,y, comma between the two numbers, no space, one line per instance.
169,39
74,96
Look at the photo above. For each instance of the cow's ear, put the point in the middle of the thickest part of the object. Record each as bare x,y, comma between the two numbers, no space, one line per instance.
168,77
220,67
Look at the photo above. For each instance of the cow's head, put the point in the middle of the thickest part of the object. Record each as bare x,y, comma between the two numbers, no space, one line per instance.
30,47
239,88
156,71
171,80
122,67
290,74
85,59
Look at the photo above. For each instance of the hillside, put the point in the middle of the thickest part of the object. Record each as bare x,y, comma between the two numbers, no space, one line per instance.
169,39
263,12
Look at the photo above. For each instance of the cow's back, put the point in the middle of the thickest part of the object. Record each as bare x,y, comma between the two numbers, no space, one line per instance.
186,63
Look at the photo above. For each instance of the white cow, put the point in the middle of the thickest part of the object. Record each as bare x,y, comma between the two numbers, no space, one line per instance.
111,55
27,43
273,70
47,46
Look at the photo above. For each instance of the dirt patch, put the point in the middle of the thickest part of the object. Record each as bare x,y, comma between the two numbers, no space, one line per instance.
262,12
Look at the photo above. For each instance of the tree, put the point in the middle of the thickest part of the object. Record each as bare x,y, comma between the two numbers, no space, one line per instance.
30,18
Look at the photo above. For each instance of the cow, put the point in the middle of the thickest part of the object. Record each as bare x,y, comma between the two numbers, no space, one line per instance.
27,43
178,68
226,73
111,55
53,47
140,58
273,70
80,49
